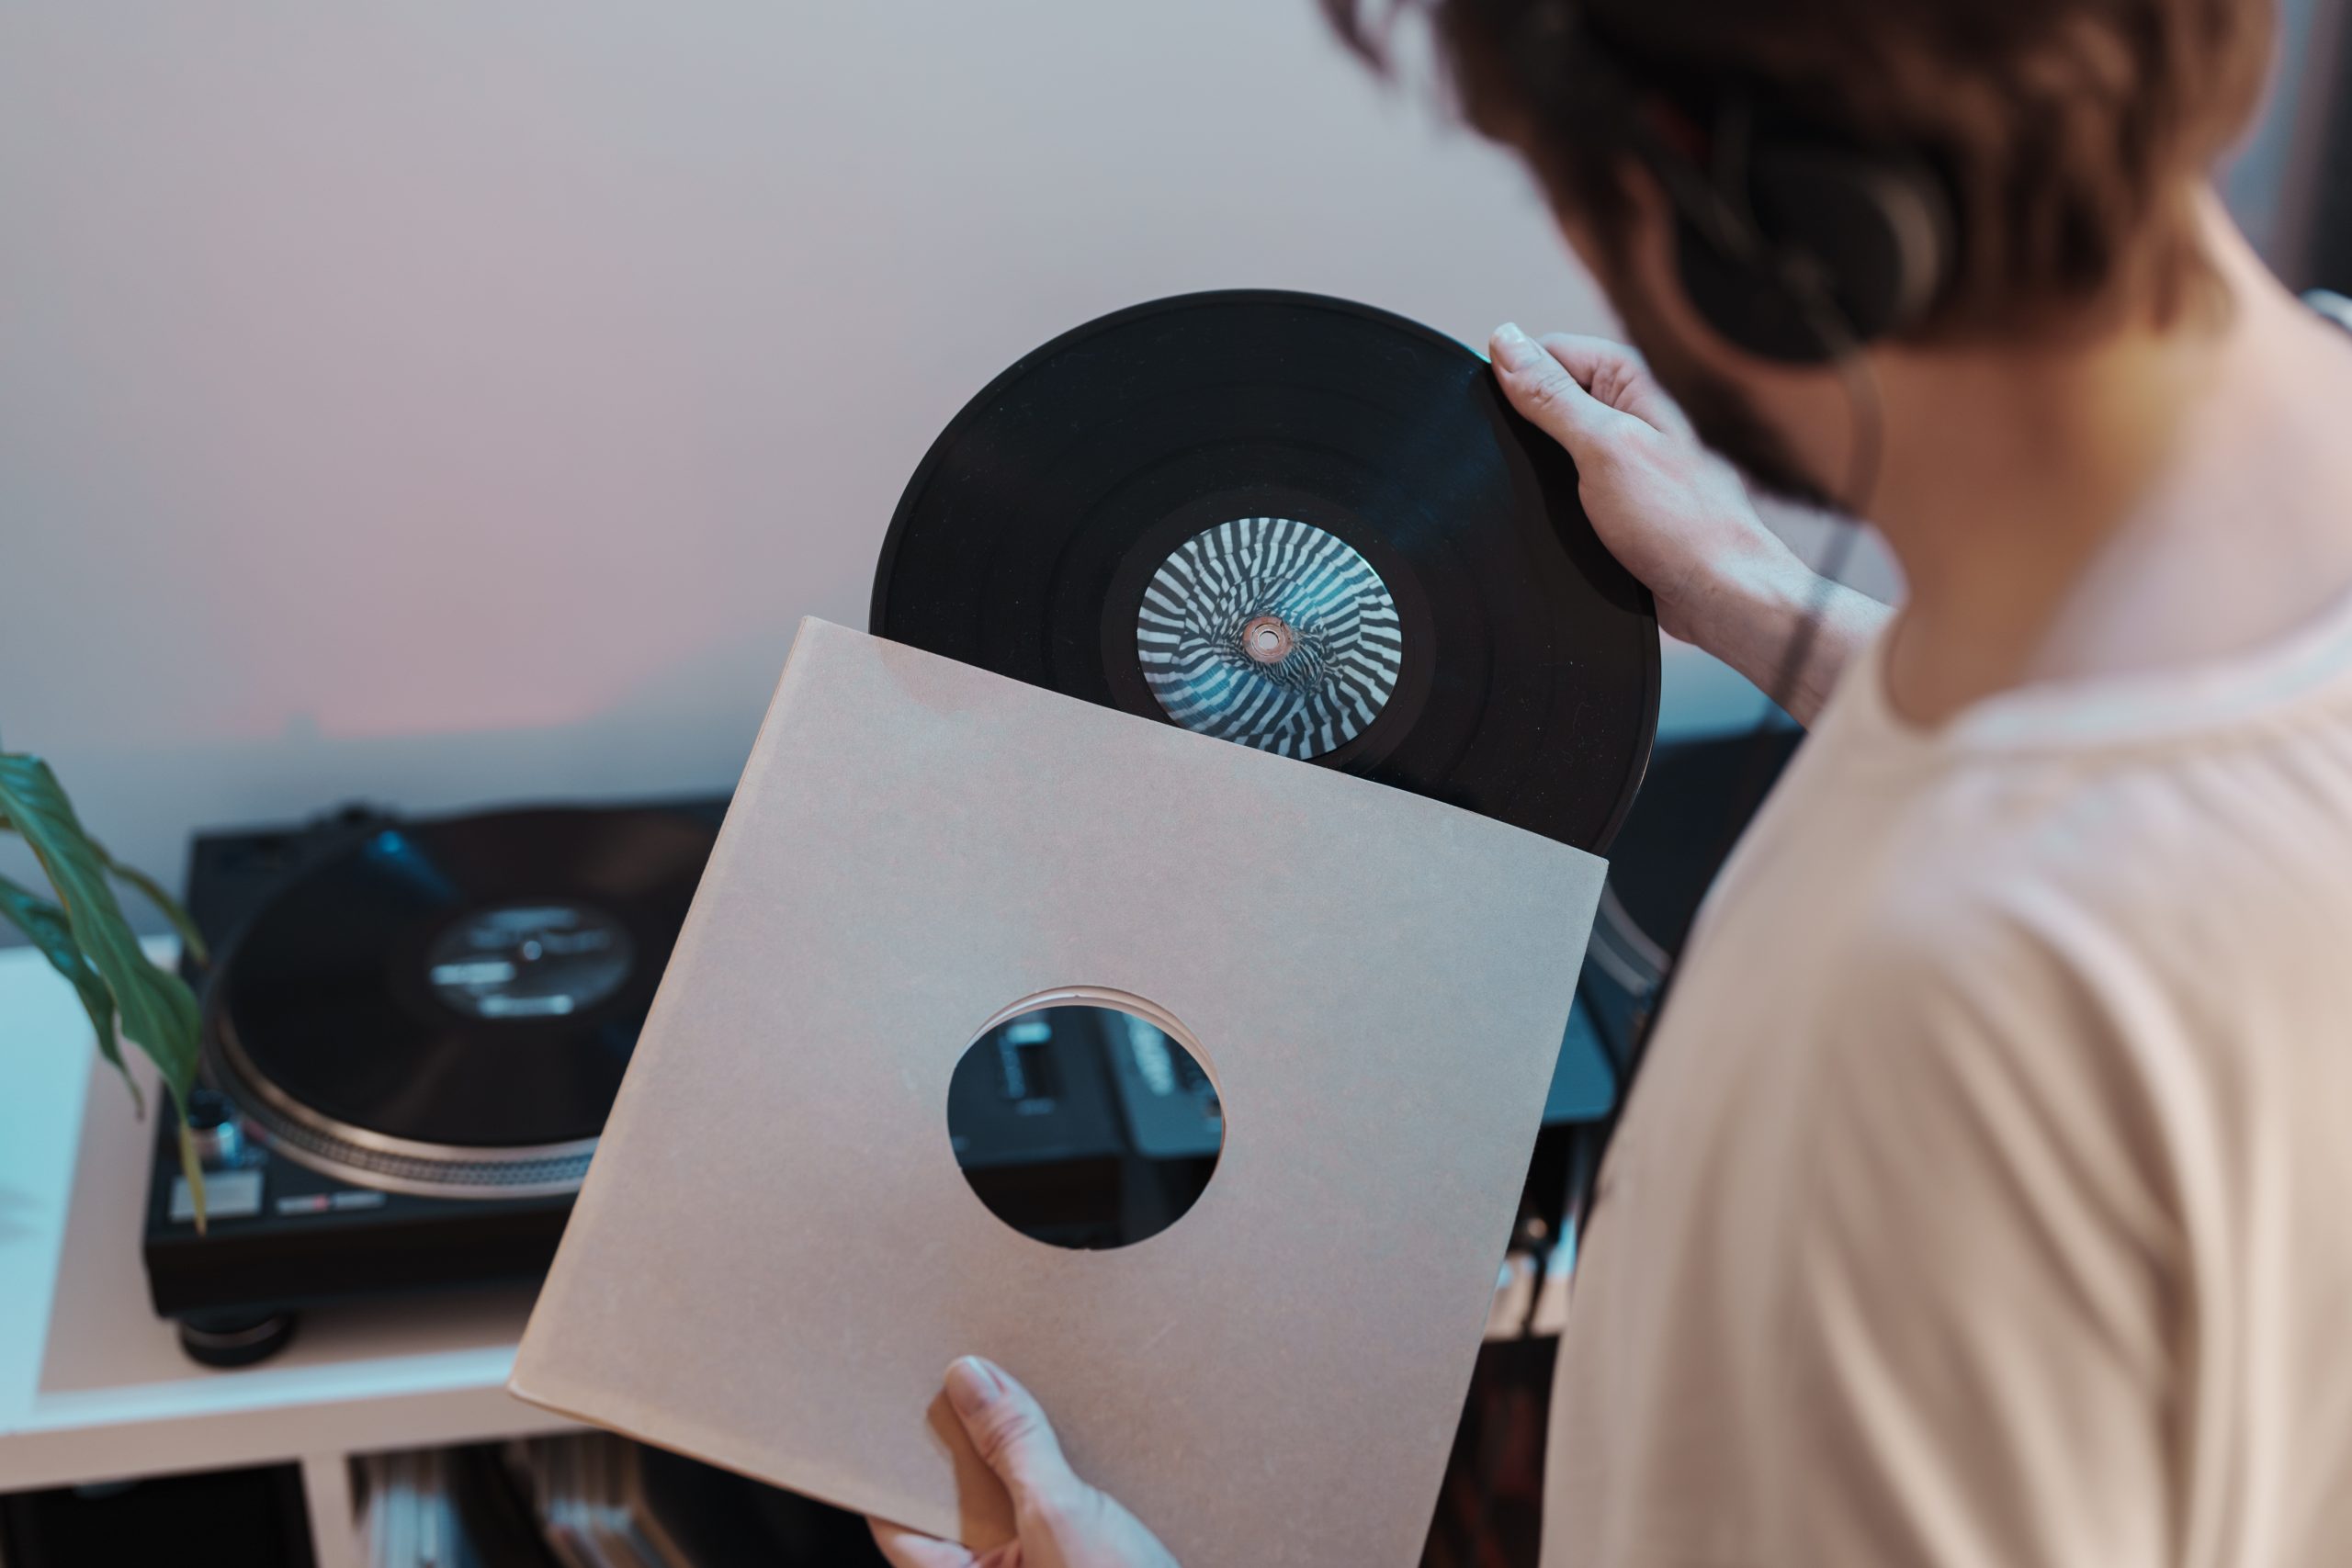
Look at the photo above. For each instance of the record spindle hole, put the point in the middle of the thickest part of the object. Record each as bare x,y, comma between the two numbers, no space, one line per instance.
1267,640
1085,1118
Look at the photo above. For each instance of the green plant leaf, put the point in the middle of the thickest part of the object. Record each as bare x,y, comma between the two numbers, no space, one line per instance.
44,926
183,923
86,937
153,891
158,1012
193,1169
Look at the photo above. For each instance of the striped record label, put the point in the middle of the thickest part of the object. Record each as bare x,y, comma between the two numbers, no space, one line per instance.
1270,632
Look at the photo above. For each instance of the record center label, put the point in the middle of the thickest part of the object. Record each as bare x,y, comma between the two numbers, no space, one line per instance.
516,960
1273,633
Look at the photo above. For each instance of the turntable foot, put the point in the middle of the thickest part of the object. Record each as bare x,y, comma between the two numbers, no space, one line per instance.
235,1339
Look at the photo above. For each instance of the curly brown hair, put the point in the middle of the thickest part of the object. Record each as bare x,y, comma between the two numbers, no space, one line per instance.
2067,130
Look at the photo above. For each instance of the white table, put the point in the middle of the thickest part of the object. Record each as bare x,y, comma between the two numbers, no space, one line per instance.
93,1386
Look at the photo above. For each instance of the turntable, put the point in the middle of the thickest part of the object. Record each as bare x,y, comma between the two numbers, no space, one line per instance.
416,1027
411,1037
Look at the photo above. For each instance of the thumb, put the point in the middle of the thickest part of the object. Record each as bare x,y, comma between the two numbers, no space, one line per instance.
1544,392
1009,1428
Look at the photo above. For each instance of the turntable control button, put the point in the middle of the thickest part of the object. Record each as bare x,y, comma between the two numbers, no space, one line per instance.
214,1128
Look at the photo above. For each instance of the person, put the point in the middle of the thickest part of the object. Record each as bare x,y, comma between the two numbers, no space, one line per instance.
1981,1197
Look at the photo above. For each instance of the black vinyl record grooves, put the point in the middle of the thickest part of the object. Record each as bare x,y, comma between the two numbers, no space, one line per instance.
450,1005
1299,523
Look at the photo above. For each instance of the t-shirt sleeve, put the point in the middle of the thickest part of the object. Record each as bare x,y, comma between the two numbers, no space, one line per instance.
1974,1313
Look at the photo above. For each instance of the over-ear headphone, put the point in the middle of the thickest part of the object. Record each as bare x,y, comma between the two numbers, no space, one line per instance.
1794,242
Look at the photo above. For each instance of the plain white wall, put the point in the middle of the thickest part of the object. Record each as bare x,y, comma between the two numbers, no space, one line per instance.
443,403
448,401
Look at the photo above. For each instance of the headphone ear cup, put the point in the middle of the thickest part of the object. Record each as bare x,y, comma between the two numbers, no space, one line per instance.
1746,299
1873,235
1877,227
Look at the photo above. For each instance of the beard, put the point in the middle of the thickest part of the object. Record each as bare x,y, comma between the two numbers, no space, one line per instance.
1724,417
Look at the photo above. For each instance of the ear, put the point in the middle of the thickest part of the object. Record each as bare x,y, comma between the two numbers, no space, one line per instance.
1649,236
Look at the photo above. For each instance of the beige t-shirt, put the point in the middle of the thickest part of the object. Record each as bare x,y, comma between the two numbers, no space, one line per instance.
1986,1198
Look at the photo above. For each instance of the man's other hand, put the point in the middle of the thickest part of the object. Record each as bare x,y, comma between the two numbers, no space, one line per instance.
1676,514
1679,517
1064,1523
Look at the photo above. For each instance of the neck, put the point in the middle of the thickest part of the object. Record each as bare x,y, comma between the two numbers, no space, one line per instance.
2062,510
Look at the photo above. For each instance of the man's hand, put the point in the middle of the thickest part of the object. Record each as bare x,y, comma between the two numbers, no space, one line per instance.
1679,517
1064,1523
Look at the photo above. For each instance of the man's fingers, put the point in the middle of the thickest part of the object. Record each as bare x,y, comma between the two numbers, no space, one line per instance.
905,1549
1009,1428
1617,375
1542,389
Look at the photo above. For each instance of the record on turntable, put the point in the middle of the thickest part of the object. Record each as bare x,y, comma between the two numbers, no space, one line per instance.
1297,524
447,1008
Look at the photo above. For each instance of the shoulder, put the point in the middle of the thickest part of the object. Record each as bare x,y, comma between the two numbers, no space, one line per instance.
2077,997
2052,1011
1975,1027
2130,871
1994,1131
1970,1312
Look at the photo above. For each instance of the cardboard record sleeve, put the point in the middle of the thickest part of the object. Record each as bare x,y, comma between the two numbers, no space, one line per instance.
775,1256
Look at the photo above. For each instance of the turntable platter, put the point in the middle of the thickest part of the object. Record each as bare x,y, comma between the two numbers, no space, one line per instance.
464,991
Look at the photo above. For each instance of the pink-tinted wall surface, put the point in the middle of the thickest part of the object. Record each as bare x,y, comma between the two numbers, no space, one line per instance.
445,403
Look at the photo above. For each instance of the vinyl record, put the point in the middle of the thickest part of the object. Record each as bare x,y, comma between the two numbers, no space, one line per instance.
1296,523
450,1005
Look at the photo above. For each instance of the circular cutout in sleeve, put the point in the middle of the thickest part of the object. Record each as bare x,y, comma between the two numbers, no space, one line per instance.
1084,1126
